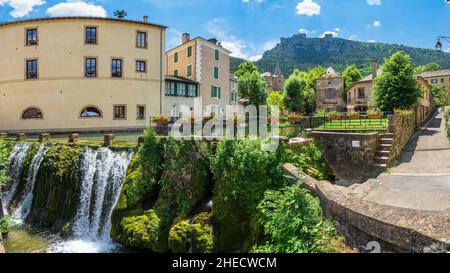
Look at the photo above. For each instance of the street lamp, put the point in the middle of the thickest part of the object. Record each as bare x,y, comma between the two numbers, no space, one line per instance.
439,43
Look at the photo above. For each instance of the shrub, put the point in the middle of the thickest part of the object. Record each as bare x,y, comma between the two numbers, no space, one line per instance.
309,159
292,222
295,118
321,113
141,231
353,115
334,115
243,173
447,126
195,235
403,111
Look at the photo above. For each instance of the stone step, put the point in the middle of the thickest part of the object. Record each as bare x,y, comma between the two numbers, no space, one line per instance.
387,135
383,153
387,140
385,147
381,160
382,166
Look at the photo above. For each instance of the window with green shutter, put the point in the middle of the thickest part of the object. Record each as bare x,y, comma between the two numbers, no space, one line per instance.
189,71
215,92
217,54
216,73
175,58
219,92
175,73
189,51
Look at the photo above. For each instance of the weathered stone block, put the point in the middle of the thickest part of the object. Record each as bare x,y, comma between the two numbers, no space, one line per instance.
21,136
44,137
74,138
108,139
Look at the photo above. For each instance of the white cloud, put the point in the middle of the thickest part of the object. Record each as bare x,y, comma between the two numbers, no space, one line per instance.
337,29
307,31
353,37
21,8
255,1
335,34
371,41
308,7
239,48
376,24
77,8
374,2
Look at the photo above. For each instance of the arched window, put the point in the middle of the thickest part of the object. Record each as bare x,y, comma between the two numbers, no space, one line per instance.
32,113
91,112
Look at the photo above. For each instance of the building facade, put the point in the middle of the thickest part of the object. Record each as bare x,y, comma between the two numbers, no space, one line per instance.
180,91
329,91
441,77
360,93
80,73
274,81
206,62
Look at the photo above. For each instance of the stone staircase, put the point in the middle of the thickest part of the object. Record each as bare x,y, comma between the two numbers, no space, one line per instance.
384,151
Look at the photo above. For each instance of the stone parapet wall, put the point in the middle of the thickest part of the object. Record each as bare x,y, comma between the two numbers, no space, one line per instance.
350,155
395,229
404,127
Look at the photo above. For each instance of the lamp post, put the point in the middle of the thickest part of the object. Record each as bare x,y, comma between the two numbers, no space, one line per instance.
439,43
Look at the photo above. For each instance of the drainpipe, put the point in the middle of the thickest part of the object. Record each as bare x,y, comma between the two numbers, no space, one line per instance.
161,72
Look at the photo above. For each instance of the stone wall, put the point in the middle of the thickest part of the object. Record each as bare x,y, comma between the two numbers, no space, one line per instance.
350,155
403,129
361,222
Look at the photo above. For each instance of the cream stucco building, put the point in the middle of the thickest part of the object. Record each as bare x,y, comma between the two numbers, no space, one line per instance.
80,74
205,62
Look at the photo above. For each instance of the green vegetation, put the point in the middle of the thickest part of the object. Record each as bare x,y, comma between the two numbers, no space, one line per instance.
5,224
302,53
292,222
294,92
380,124
351,74
447,124
426,68
275,99
195,234
309,158
243,173
4,154
441,94
251,85
397,86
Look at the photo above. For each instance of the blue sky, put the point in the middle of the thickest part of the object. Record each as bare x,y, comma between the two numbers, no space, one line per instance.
250,27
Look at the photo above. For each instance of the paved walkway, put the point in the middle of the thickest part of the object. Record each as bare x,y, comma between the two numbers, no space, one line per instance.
422,179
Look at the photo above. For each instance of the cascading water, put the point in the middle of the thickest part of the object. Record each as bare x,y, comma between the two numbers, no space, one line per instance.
103,173
15,165
26,200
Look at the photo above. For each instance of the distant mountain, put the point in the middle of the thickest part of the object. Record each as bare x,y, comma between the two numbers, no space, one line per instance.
301,52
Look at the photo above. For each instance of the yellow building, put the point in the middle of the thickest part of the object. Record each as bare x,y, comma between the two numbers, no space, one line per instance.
80,74
440,77
203,61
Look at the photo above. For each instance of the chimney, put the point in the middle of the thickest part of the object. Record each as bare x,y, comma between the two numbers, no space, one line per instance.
145,19
186,37
374,69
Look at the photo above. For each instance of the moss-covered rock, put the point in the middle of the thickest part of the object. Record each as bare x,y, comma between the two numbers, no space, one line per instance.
194,235
57,186
243,172
141,231
172,192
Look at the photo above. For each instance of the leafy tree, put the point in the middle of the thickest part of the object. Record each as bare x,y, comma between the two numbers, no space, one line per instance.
292,222
397,86
294,91
351,74
314,74
276,99
246,67
441,94
251,85
426,68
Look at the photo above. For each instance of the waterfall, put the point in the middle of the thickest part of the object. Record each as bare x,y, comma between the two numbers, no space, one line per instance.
103,173
26,200
15,164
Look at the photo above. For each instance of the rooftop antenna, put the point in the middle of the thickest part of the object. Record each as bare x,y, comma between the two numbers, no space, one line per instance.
120,14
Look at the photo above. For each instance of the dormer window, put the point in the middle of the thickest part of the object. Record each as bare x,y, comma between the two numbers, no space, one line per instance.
31,37
91,36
